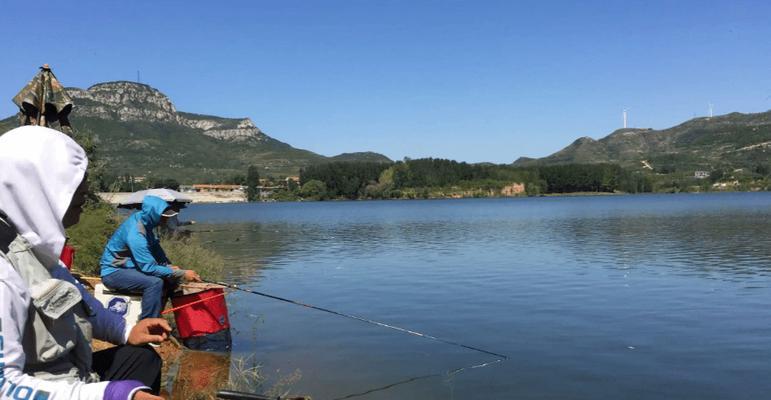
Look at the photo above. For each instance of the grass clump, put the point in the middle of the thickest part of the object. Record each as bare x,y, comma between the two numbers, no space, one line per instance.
189,253
246,377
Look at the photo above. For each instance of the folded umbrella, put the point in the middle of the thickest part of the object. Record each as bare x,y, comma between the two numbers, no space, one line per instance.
44,101
173,197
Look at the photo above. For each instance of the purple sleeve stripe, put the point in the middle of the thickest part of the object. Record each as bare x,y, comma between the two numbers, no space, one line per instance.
121,390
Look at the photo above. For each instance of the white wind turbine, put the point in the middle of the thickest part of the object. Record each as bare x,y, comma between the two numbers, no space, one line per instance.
625,117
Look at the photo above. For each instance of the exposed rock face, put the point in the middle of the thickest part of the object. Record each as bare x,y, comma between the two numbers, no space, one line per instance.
125,101
514,189
130,101
222,128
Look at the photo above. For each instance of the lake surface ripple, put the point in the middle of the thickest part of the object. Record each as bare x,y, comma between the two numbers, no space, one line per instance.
634,297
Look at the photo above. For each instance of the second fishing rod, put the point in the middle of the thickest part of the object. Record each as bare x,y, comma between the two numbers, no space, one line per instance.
501,357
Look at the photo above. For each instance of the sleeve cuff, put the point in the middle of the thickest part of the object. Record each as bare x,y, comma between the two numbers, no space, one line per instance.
123,390
127,332
178,275
133,391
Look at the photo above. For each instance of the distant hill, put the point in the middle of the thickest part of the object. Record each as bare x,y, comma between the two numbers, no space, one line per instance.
367,156
139,132
728,141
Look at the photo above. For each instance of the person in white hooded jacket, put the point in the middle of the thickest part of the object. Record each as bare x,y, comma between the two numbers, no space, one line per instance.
47,318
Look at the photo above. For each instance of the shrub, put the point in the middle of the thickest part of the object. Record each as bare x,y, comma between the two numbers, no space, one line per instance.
313,189
90,235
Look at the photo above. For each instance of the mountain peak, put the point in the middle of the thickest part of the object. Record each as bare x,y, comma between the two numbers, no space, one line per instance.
123,100
132,101
628,131
584,140
123,84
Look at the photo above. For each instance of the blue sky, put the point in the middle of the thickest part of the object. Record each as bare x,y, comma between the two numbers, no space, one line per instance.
466,80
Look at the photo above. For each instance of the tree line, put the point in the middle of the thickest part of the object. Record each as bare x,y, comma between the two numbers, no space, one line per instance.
430,177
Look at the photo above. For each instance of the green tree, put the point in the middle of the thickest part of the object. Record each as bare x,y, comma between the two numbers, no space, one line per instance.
252,183
762,169
292,186
239,179
313,189
96,167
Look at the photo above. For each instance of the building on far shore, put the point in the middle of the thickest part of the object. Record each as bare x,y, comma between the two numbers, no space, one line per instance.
701,174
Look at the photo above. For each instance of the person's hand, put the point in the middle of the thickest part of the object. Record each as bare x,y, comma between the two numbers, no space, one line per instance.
192,276
140,395
149,330
174,267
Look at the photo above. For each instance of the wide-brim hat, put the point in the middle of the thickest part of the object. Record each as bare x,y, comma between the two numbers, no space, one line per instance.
169,212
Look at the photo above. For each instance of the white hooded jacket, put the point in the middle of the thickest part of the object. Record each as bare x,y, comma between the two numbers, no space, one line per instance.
40,169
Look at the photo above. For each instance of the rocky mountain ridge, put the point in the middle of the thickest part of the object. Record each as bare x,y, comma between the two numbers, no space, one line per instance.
139,132
131,101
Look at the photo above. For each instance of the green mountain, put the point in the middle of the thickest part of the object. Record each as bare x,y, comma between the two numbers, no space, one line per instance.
139,132
729,141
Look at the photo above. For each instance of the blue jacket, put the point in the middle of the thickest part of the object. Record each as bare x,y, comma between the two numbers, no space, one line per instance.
134,244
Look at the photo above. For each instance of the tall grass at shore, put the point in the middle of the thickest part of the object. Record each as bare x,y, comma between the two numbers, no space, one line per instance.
246,376
187,252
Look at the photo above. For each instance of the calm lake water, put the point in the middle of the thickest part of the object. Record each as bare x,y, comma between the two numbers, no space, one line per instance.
633,297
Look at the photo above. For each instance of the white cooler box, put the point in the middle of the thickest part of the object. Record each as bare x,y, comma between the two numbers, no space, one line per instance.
127,306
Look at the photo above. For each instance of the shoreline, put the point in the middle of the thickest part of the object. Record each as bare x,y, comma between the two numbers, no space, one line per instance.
115,198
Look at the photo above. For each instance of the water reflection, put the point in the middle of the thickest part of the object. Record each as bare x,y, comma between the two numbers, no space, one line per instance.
593,297
731,246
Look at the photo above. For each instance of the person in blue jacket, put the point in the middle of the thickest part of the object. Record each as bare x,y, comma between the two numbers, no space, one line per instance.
134,262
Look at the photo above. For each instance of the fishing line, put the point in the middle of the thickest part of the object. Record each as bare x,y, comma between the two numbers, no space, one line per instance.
447,374
501,357
219,230
386,387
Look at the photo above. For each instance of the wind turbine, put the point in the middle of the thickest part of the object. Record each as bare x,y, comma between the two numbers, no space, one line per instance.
625,117
710,110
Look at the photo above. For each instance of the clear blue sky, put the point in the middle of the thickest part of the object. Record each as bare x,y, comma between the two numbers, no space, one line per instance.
466,80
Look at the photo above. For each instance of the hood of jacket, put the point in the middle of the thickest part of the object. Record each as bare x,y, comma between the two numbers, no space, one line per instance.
40,169
152,208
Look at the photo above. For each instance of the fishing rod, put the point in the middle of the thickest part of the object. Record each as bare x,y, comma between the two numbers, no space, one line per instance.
233,395
501,357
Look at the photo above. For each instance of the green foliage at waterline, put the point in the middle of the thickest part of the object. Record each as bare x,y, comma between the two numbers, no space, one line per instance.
252,183
440,178
343,179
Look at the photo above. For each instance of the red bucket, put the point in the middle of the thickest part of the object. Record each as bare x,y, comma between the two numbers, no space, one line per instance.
204,317
68,255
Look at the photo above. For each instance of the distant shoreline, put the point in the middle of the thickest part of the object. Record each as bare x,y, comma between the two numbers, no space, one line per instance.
115,198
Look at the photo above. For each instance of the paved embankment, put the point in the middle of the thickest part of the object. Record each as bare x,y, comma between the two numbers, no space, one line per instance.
198,197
